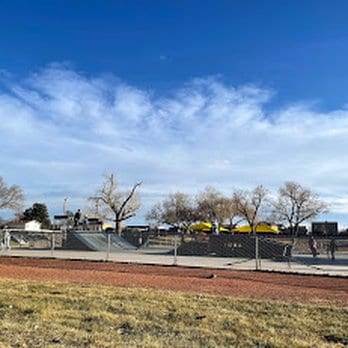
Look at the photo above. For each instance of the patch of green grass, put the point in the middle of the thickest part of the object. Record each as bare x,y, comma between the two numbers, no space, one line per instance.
37,314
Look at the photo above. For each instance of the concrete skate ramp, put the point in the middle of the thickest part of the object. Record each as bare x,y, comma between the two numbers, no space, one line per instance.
96,241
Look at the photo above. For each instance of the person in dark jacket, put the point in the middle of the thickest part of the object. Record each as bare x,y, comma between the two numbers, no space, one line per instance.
77,217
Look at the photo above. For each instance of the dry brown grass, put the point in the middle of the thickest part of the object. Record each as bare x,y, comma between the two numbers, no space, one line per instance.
43,314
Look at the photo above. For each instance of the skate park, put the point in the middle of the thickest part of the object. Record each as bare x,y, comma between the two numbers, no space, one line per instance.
220,252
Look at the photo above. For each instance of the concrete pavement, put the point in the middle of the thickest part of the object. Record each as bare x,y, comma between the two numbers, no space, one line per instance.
301,264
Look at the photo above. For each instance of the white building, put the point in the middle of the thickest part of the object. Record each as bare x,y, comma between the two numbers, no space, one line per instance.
32,225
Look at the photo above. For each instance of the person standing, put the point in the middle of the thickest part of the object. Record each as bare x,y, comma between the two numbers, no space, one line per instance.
77,217
313,246
332,247
85,223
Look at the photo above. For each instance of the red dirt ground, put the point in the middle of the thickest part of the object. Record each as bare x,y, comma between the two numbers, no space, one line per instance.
239,284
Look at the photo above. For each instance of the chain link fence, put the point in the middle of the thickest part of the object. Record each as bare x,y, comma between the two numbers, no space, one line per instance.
239,251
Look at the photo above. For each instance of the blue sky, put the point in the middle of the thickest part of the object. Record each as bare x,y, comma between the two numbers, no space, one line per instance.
298,48
255,92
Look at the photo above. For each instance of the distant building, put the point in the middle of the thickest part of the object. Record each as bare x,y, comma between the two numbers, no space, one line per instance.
301,230
32,225
324,228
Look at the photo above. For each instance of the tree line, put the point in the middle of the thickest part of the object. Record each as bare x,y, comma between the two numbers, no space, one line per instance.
12,198
292,205
109,203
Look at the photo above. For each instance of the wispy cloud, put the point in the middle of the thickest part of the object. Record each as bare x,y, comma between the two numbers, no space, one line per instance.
60,130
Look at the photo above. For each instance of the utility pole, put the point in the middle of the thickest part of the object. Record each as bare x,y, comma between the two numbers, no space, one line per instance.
97,208
64,205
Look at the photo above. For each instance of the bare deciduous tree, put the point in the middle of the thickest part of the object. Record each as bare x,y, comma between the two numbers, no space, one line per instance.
296,204
248,205
177,210
212,205
11,197
123,205
98,210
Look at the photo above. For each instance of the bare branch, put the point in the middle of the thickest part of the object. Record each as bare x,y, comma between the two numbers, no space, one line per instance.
177,210
296,204
10,197
248,205
123,205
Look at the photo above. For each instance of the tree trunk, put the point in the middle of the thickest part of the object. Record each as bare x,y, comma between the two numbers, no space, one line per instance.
253,229
292,230
296,229
118,225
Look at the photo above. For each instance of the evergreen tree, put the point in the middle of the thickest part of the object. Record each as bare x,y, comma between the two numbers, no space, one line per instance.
38,212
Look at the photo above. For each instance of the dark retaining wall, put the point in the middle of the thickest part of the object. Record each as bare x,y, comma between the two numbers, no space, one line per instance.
234,246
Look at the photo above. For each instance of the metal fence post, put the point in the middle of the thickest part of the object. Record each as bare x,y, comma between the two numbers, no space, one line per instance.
2,242
256,253
108,246
53,240
7,240
259,252
175,251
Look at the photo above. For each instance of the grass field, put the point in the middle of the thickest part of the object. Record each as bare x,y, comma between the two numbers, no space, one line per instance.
38,314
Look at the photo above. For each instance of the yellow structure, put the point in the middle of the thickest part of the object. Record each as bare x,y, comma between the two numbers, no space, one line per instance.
106,226
261,228
206,227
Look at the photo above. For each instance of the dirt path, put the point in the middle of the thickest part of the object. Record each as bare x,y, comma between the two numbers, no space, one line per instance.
241,284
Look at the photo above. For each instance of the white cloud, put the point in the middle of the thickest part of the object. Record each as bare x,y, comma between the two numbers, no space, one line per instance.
60,130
